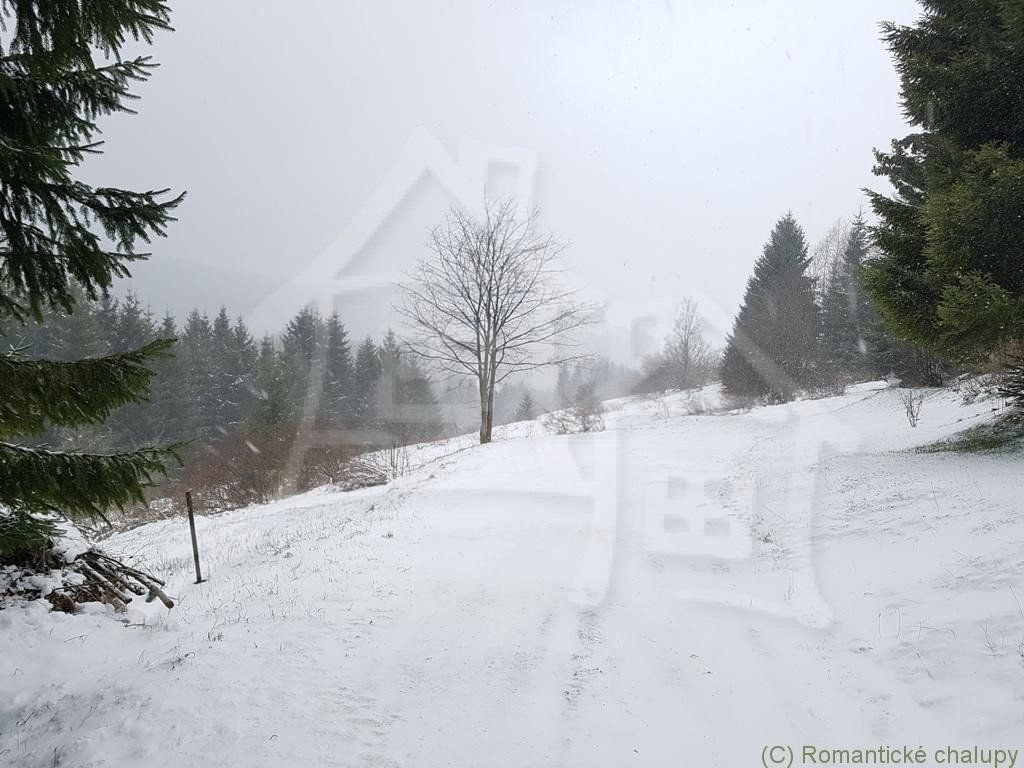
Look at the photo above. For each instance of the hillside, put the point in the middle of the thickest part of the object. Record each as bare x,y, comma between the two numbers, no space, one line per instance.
676,590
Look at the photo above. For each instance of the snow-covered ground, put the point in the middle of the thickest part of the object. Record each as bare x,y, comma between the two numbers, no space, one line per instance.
679,590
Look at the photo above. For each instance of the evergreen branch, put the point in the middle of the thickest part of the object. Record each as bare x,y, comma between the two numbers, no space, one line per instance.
70,36
54,219
51,94
38,392
66,102
60,239
24,536
77,485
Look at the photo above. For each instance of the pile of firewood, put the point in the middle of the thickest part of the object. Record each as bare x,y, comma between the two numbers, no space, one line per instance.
106,580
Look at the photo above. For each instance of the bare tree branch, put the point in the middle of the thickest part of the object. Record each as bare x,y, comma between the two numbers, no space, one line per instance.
489,302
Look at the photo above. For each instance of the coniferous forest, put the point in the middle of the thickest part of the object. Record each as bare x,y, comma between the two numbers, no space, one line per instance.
801,330
233,407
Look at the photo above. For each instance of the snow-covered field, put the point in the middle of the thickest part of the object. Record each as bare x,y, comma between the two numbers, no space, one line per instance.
679,590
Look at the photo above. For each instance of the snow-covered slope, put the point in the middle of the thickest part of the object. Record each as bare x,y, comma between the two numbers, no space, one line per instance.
676,590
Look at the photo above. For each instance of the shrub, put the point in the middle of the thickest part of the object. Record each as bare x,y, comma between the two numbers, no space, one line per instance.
912,403
585,413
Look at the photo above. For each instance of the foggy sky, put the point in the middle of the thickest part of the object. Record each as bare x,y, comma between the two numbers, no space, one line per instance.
669,136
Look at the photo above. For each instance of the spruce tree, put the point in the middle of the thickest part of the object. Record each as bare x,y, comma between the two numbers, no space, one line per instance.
406,409
246,351
66,337
855,342
772,350
526,410
244,356
952,237
60,335
301,340
270,424
78,334
274,409
335,400
60,71
107,311
196,349
224,367
364,385
134,326
850,325
169,396
422,414
130,426
388,402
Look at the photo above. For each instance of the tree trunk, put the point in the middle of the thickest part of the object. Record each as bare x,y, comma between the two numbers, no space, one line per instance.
486,406
485,427
490,411
485,422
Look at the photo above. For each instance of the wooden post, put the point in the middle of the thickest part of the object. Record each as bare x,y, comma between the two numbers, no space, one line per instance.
192,528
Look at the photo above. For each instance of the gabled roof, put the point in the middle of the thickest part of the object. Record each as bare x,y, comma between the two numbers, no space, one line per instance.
463,176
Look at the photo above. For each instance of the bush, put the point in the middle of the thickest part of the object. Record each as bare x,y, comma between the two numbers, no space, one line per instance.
374,468
585,413
696,405
237,471
912,403
975,387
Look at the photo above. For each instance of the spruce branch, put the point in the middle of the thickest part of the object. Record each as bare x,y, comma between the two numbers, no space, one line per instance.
42,392
34,480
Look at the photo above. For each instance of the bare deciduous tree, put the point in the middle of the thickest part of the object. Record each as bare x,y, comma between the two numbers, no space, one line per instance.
686,351
488,303
687,360
828,253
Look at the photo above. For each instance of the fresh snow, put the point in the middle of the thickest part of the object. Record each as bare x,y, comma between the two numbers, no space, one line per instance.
679,590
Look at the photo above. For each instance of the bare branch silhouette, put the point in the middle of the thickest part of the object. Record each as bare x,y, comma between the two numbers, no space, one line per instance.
489,302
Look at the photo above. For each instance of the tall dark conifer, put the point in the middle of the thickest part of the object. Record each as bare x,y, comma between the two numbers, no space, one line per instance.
60,71
244,357
271,421
274,409
388,402
850,325
107,312
772,350
170,401
421,412
78,335
364,385
526,409
130,426
225,409
196,348
949,275
337,388
302,353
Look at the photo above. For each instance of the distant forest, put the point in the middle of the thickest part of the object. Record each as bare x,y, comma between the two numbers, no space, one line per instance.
235,405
